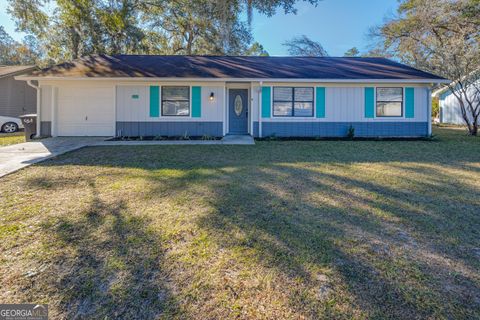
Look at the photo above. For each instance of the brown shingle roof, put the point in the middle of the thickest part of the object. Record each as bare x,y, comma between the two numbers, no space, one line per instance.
211,67
8,70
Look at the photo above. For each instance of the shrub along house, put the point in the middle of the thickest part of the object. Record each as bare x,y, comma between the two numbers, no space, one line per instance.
143,95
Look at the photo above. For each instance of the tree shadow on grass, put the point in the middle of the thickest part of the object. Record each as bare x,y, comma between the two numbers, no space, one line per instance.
289,234
377,239
109,265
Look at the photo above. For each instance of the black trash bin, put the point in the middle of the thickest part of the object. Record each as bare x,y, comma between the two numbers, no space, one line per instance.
30,124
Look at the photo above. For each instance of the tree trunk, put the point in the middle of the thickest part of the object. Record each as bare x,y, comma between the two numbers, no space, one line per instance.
474,131
75,38
467,108
189,43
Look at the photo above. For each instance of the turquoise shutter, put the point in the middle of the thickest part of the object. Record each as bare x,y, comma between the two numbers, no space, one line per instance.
266,98
409,102
320,102
369,102
154,101
196,102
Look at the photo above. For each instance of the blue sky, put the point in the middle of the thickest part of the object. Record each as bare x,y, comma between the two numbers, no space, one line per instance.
337,24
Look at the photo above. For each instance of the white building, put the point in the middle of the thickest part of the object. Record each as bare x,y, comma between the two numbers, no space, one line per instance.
128,95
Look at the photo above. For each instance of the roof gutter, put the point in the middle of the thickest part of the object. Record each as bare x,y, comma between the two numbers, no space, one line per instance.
436,93
309,80
453,83
17,72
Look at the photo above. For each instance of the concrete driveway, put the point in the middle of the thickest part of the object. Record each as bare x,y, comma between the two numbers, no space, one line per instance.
17,156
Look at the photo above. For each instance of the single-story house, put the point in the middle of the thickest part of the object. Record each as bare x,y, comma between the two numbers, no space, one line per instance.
153,95
450,109
16,97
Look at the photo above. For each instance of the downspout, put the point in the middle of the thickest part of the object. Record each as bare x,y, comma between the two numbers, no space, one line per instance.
429,111
37,88
260,110
225,108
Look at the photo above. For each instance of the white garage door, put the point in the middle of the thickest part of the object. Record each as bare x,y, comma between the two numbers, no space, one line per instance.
85,111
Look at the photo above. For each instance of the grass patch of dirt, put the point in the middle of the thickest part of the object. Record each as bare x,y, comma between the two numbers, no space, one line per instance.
11,138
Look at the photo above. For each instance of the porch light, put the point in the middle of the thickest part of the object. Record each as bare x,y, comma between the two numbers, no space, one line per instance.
212,96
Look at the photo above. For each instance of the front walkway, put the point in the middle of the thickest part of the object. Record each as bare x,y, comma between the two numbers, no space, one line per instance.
18,156
227,140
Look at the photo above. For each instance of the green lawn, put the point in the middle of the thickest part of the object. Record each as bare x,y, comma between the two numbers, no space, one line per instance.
11,138
279,230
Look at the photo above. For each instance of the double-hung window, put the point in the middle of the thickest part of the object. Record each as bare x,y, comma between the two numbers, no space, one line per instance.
292,102
389,102
175,101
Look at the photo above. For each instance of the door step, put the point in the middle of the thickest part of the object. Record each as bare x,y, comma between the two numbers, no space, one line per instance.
238,139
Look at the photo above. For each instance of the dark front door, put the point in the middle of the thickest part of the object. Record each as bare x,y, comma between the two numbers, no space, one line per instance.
238,111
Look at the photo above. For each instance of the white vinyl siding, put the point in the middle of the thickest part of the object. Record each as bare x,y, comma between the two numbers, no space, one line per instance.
131,110
346,103
422,97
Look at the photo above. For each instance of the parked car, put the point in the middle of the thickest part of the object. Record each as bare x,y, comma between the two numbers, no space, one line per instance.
10,124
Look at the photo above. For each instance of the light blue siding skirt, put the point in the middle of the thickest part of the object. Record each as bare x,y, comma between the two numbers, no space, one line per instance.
340,129
45,128
170,128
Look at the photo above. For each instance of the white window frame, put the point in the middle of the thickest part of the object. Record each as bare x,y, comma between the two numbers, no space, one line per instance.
403,103
272,102
189,102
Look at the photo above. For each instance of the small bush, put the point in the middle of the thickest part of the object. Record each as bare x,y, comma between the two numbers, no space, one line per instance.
271,137
207,137
185,136
351,132
435,107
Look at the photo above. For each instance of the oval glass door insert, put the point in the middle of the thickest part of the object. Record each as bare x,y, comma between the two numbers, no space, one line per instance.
238,105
